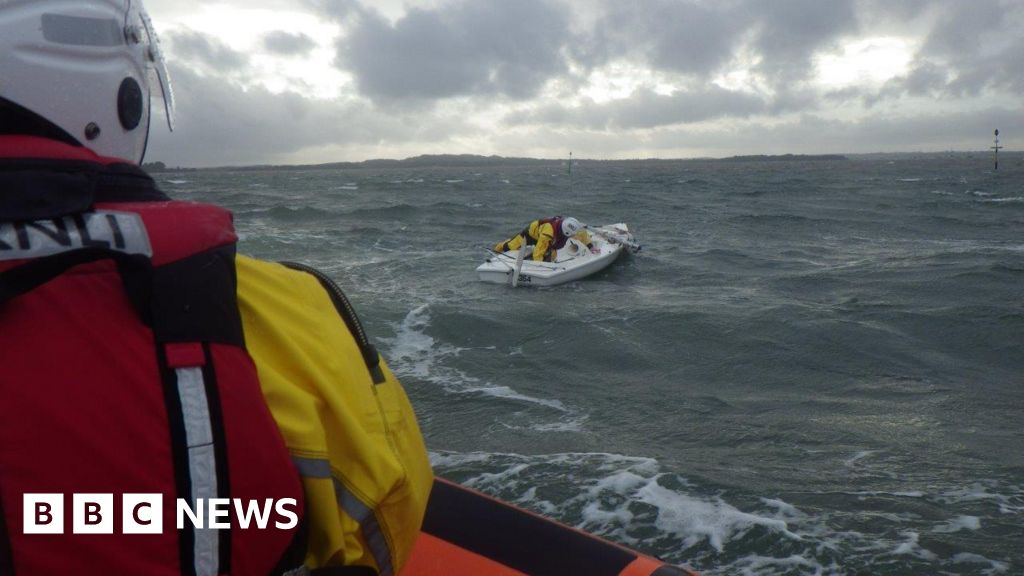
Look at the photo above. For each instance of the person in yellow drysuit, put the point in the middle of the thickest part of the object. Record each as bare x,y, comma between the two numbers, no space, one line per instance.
547,236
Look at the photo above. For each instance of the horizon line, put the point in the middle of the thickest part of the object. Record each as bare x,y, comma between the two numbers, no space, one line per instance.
481,159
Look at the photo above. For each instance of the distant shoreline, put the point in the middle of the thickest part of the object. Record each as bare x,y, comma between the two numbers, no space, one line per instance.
478,161
785,158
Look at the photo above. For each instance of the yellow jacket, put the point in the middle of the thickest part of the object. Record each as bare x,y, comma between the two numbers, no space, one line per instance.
355,442
541,235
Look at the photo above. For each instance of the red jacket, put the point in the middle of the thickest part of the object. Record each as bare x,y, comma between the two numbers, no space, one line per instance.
125,370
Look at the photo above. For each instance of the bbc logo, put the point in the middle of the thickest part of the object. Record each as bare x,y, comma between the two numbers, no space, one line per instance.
93,513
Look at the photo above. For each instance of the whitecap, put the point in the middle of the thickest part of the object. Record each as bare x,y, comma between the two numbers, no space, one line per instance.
756,565
414,353
695,519
959,523
912,547
609,488
997,567
858,456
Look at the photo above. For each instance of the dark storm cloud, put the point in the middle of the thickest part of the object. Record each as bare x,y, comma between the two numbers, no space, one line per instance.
701,38
287,44
205,52
684,37
497,48
789,32
339,10
218,123
490,47
963,26
461,57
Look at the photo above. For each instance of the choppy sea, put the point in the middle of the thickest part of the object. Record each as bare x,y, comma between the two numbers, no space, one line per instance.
810,368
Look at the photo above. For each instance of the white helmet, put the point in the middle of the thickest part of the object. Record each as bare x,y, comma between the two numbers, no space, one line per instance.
83,66
570,226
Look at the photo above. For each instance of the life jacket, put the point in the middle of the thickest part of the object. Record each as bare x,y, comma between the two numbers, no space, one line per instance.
560,239
124,371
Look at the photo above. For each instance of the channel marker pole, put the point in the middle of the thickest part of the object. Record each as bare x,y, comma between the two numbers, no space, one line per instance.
996,150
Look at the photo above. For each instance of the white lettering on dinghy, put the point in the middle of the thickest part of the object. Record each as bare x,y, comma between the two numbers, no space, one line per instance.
121,231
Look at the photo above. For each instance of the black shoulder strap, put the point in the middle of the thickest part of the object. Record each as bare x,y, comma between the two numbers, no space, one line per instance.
43,188
370,355
135,271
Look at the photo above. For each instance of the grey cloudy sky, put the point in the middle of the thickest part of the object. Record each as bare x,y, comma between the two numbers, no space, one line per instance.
308,81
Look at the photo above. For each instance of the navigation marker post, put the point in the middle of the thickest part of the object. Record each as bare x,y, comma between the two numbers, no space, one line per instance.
996,149
570,174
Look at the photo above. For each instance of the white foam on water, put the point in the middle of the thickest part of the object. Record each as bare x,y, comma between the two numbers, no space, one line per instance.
414,353
695,519
510,394
912,547
908,179
784,508
1000,200
901,494
571,423
1007,504
858,456
995,566
756,565
453,459
623,498
455,181
959,523
176,181
609,489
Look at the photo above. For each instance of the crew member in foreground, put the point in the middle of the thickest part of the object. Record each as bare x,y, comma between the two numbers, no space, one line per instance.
153,380
547,236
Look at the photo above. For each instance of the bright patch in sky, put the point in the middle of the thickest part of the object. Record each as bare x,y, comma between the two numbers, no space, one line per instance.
311,74
620,80
867,61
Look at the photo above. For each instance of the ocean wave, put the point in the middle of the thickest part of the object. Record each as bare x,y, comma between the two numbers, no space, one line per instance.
1014,199
298,213
393,212
414,353
971,523
613,495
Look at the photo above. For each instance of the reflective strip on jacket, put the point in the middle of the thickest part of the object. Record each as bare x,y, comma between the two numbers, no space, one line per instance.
136,412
